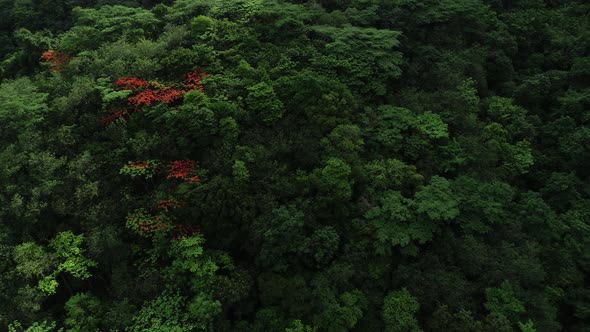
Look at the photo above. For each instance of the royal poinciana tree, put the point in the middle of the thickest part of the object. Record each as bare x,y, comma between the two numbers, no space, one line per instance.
144,94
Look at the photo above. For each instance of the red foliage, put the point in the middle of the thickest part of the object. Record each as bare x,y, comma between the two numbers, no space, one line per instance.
181,169
150,96
132,83
193,179
55,59
146,97
146,93
48,55
147,224
169,95
193,81
167,204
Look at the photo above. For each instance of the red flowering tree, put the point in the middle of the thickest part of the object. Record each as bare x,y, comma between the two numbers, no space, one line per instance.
184,170
168,204
147,93
56,60
132,83
193,81
178,169
159,219
146,224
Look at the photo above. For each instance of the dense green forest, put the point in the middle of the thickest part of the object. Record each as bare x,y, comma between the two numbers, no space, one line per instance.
293,165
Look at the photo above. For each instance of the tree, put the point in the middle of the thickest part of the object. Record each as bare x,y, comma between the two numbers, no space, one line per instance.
94,27
436,200
342,313
298,326
66,256
263,101
165,312
23,107
431,125
391,125
200,25
503,301
344,142
361,57
282,238
399,310
82,310
395,224
194,308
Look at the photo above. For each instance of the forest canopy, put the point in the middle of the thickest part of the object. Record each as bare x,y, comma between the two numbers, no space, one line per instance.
294,165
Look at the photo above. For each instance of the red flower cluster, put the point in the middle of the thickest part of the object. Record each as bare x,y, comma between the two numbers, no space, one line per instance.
147,224
193,81
184,170
132,83
150,96
55,59
148,93
167,204
193,179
